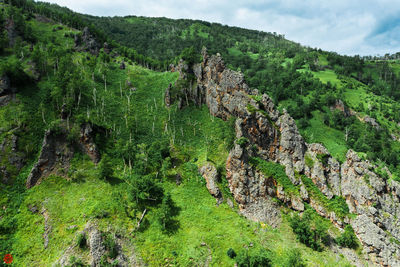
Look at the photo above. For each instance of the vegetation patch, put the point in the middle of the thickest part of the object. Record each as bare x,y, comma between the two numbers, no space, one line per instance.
277,172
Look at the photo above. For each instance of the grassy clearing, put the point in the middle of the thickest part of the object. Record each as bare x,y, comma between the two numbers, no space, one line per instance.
328,76
332,139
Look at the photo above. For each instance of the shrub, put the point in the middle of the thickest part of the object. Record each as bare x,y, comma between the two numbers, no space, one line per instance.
75,262
310,229
256,258
347,238
309,161
231,253
110,245
165,214
105,168
81,240
293,259
242,141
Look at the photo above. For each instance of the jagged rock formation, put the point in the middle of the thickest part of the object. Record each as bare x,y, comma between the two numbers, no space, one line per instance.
87,143
6,91
98,254
210,174
11,159
57,152
86,42
266,134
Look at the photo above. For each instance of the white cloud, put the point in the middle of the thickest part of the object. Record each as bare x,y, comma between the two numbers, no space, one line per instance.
347,27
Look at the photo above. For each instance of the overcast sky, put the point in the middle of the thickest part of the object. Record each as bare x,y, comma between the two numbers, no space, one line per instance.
364,27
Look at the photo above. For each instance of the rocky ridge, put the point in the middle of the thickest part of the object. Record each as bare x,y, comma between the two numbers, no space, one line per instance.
262,132
57,152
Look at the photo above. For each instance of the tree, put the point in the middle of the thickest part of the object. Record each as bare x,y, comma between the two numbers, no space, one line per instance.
145,190
293,259
166,212
105,168
347,238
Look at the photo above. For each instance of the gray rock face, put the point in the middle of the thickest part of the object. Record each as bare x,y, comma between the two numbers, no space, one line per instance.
87,143
5,85
167,96
210,174
11,158
97,248
292,147
372,122
274,137
377,206
56,153
87,42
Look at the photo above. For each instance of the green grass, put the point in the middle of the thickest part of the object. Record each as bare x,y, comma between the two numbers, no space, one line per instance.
327,76
332,139
322,60
234,51
196,27
220,228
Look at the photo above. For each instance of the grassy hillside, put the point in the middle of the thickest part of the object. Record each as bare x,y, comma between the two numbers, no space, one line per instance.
150,151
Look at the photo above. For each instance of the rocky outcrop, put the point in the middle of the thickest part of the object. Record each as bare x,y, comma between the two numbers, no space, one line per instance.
12,159
263,133
210,174
6,91
56,153
87,143
339,105
371,121
376,203
86,42
98,252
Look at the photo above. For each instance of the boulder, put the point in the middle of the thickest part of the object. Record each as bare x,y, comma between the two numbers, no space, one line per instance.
210,174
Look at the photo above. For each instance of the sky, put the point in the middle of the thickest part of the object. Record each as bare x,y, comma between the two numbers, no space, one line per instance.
363,27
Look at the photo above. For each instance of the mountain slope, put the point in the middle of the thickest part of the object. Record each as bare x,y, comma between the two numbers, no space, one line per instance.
106,162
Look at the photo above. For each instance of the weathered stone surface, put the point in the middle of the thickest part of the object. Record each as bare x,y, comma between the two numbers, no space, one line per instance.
87,143
87,42
167,96
325,174
96,246
275,137
56,153
5,86
210,174
339,105
292,147
372,122
357,185
11,158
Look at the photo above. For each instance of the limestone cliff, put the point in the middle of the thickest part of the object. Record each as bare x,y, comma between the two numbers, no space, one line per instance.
266,134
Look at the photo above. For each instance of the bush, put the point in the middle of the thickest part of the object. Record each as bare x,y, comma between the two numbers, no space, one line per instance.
111,245
347,238
309,161
242,141
310,229
105,168
75,262
165,214
81,241
293,259
256,258
231,253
